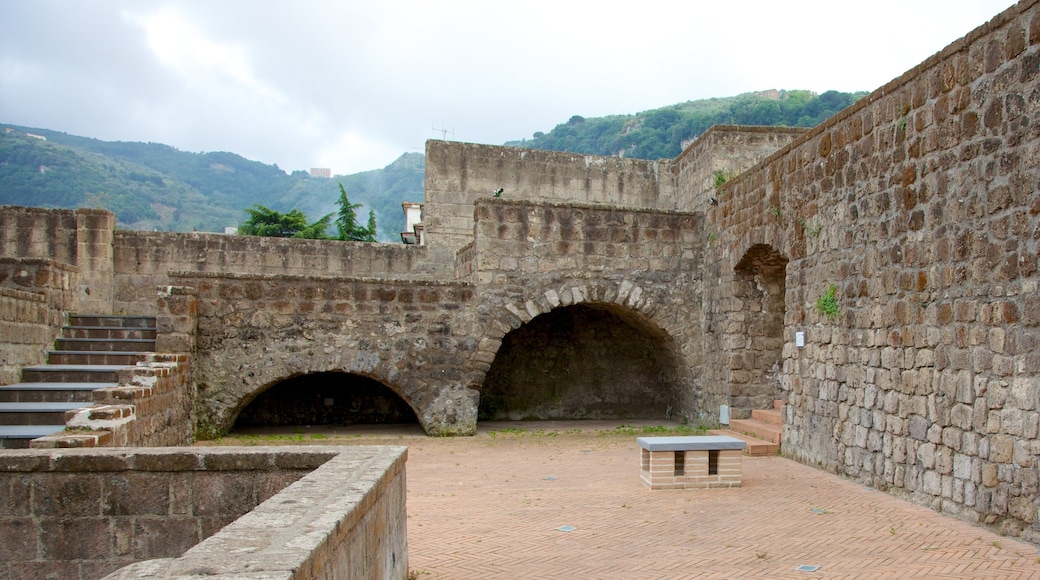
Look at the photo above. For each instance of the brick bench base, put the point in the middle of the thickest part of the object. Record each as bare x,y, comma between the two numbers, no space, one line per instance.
690,462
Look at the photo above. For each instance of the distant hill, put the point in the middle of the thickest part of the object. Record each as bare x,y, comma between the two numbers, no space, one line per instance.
663,133
151,186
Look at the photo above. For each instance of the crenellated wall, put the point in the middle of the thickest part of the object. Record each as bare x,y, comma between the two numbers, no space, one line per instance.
457,174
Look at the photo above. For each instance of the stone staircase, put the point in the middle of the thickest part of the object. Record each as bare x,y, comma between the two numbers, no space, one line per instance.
762,432
89,354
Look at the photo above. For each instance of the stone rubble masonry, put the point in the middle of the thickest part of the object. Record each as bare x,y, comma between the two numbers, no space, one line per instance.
921,205
81,514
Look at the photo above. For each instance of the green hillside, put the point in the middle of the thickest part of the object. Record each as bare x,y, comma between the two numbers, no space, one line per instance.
151,186
662,133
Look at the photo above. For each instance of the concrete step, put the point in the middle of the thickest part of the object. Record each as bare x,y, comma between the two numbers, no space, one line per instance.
778,404
19,436
50,392
758,429
112,320
108,332
72,373
105,344
771,416
37,413
88,357
755,447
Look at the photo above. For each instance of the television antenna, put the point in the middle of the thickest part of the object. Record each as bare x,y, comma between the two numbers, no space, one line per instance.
444,132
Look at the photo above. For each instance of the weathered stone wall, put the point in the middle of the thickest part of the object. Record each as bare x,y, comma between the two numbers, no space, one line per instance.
354,525
641,266
35,293
25,330
726,148
415,337
81,514
145,260
919,204
458,174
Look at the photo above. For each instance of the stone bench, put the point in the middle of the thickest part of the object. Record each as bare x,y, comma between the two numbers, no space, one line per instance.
690,462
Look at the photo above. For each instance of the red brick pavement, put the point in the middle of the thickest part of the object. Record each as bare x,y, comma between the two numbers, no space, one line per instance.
491,506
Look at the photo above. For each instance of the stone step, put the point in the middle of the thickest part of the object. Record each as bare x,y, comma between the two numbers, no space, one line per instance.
87,357
112,321
106,344
771,416
758,429
37,413
72,373
108,332
19,436
755,447
50,392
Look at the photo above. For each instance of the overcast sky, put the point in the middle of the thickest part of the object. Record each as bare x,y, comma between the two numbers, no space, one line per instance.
352,85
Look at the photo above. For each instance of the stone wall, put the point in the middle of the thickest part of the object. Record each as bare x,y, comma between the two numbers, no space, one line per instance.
415,337
637,267
25,330
354,525
81,514
919,204
145,260
726,148
458,174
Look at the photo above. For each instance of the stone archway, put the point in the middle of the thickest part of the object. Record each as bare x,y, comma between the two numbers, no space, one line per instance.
325,398
759,283
591,360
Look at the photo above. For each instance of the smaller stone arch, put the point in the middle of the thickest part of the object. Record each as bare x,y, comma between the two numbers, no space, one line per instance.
324,398
757,330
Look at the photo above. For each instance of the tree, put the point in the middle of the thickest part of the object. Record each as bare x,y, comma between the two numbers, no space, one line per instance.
263,221
346,221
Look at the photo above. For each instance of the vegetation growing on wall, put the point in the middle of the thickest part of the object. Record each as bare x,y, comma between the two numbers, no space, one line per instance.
827,303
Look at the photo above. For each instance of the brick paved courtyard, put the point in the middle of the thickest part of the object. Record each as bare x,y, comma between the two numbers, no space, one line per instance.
492,506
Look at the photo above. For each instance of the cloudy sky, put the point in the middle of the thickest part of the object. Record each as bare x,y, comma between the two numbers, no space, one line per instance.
352,85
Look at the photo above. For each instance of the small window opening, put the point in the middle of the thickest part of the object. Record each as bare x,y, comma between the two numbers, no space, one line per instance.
680,463
713,462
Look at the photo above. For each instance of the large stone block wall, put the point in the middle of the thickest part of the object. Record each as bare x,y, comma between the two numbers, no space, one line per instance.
25,330
145,260
532,258
415,337
458,174
919,204
82,514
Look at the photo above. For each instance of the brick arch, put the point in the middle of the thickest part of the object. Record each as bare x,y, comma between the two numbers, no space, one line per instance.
756,329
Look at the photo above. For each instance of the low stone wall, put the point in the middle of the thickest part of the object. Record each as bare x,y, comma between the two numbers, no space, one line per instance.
82,514
144,261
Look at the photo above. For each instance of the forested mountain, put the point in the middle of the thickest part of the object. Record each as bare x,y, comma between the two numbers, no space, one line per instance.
151,186
662,133
157,187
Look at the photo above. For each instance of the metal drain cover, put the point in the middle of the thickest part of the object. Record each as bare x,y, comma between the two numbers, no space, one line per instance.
566,529
807,568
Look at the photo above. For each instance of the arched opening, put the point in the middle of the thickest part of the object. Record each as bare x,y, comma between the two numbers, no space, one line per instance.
760,284
332,398
586,361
